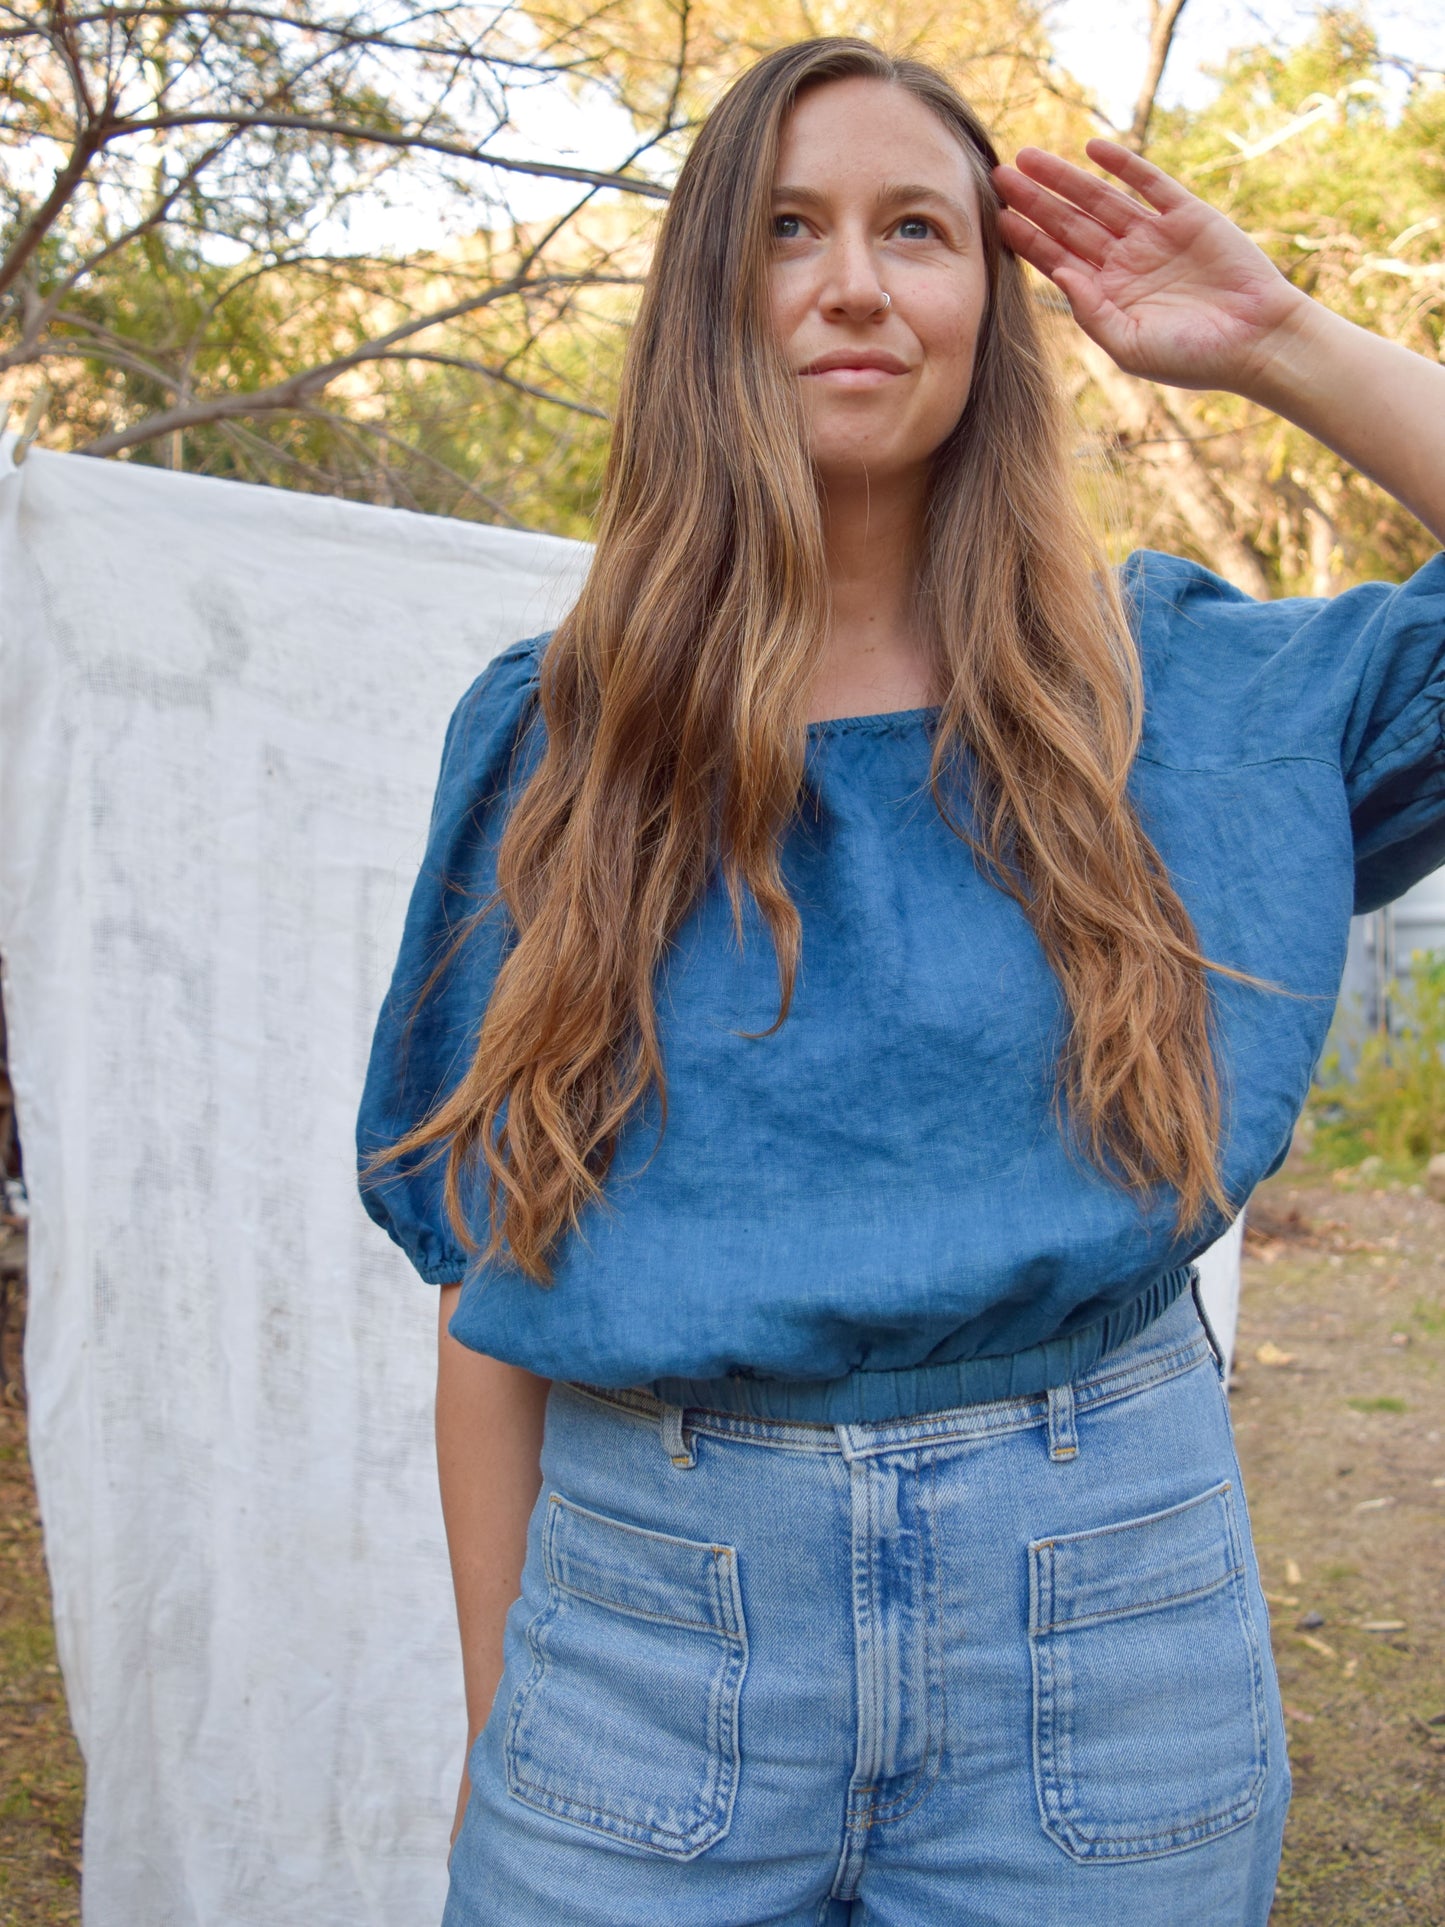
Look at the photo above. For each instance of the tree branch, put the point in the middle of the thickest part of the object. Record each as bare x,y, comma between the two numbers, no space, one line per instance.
344,34
345,425
1140,409
297,391
493,374
1163,19
67,179
46,311
386,137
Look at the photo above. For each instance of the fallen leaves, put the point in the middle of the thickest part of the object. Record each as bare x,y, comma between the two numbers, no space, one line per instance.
1270,1354
1318,1645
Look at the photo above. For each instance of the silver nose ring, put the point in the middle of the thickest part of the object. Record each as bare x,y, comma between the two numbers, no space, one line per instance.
887,303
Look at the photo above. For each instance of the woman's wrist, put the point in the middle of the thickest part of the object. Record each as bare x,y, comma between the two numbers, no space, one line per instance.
1285,371
1375,403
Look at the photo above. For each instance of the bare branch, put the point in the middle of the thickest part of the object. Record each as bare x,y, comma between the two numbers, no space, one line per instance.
297,390
1163,19
490,502
46,311
495,374
1141,410
343,33
93,342
386,137
67,179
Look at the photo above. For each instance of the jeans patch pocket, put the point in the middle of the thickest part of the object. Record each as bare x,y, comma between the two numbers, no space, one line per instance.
627,1722
1150,1729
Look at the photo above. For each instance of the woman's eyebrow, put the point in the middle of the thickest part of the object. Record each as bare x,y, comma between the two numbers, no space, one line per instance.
916,192
799,196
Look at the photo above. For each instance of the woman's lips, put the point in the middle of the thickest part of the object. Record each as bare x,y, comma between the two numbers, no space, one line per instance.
853,377
855,368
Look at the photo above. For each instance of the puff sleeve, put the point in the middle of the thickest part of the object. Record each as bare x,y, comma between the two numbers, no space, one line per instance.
1394,742
1355,681
423,1043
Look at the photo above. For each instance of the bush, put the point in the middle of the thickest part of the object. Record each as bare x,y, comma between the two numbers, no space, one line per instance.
1382,1095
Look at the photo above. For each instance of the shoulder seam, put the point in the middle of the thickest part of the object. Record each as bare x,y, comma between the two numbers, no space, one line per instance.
1244,762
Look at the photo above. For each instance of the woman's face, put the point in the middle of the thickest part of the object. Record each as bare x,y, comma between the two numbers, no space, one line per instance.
873,195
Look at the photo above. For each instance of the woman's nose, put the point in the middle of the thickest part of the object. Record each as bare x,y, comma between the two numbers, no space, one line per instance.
851,287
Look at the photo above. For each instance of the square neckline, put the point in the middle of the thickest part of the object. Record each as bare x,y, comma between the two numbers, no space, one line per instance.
877,721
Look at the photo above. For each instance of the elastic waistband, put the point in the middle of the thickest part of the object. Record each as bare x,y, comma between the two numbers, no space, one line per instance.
1177,1342
865,1395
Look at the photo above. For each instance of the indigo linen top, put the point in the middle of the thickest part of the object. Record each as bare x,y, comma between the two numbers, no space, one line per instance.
874,1211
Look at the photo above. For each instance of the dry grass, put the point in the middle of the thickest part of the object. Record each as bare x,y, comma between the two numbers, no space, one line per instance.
40,1769
1341,1430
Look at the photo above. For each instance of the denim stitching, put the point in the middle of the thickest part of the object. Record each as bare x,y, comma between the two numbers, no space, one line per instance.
1053,1711
640,1612
1145,1606
714,1806
925,1775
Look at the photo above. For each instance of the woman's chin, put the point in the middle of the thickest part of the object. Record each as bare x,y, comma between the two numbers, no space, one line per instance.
862,464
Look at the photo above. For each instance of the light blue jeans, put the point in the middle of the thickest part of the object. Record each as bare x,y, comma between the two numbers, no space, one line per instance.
1006,1665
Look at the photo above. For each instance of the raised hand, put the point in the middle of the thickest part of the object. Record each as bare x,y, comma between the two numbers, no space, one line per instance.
1166,285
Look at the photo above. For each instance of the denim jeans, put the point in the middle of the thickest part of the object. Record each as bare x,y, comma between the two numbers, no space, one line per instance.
1005,1665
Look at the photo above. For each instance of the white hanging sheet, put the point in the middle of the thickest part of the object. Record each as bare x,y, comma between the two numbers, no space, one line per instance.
221,714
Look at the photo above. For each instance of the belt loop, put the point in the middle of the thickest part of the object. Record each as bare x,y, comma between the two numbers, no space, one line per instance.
673,1442
1063,1439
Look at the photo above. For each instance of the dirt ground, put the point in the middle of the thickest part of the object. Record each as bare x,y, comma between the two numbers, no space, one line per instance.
1339,1405
1339,1410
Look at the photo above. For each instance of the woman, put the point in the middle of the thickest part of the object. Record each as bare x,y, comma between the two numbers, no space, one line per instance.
859,959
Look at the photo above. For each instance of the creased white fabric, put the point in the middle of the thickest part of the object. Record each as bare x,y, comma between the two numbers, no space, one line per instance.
221,714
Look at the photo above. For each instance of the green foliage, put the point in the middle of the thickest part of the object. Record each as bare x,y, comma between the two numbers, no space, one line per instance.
1396,1405
1383,1095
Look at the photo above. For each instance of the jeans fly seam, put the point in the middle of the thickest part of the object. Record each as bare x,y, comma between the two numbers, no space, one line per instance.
925,1775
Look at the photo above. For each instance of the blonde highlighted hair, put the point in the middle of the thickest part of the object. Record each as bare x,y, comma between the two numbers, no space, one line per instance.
673,701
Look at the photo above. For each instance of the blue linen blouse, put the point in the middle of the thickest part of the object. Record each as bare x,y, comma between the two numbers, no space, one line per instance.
874,1212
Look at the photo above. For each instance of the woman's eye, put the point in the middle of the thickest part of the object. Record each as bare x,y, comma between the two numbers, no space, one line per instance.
915,227
787,227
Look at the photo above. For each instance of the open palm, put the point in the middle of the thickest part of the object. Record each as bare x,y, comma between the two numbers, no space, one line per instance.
1167,285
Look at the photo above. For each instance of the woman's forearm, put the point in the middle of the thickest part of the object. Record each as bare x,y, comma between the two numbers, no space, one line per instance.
489,1442
1373,402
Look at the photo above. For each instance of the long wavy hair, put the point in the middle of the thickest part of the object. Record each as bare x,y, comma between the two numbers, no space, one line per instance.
673,700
